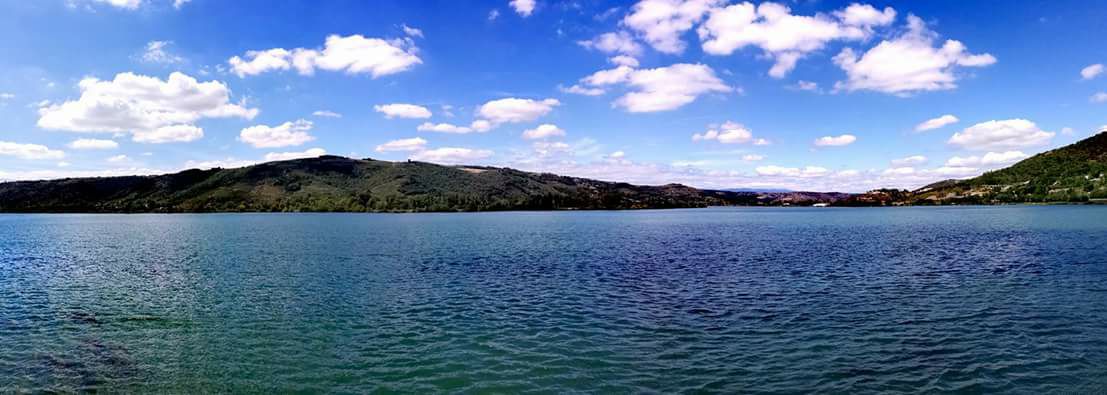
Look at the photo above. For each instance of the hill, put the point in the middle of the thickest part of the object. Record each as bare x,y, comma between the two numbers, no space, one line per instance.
332,183
1074,173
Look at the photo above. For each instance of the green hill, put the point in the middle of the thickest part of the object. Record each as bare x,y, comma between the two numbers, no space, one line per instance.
1073,173
332,183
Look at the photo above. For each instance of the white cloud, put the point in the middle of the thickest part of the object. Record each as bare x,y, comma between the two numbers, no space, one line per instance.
908,63
1001,135
515,110
283,135
310,153
156,52
402,110
609,77
93,144
444,128
411,144
935,123
761,141
785,37
989,159
228,163
615,42
624,60
808,171
581,90
1099,97
450,155
327,114
669,88
728,133
522,7
1091,71
913,160
545,130
118,159
807,86
661,23
353,54
125,4
141,105
547,148
492,15
412,32
835,141
29,151
180,3
752,158
169,134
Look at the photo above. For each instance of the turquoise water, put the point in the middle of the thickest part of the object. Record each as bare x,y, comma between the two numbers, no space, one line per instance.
750,300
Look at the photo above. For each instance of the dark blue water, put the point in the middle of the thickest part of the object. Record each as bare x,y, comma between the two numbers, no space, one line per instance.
758,300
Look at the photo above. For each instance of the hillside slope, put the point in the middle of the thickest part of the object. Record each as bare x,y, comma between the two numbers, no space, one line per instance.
1074,173
332,183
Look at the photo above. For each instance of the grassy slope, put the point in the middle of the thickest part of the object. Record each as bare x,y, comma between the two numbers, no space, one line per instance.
1073,173
333,183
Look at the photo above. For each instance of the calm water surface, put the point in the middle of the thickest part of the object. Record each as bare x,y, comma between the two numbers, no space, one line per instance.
754,300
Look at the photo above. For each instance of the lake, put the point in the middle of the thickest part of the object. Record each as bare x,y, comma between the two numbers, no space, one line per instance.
750,300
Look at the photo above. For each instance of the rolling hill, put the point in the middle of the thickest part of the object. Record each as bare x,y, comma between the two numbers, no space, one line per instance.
1074,173
332,183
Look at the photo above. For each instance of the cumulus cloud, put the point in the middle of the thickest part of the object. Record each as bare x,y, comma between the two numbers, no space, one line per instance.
1091,71
327,114
515,110
661,23
1001,135
989,159
169,134
545,130
805,172
913,160
354,54
118,159
752,158
581,90
124,4
445,128
727,133
310,153
624,60
522,7
157,52
29,151
411,144
547,148
142,105
835,141
93,144
1099,97
402,110
619,42
782,36
908,63
283,135
935,123
411,31
669,88
452,155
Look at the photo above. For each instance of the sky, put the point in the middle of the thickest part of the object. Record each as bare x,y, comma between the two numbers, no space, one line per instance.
801,95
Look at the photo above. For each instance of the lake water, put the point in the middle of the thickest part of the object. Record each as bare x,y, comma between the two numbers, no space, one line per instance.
750,300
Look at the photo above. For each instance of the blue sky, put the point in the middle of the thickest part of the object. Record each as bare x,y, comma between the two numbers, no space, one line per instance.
811,95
